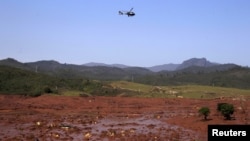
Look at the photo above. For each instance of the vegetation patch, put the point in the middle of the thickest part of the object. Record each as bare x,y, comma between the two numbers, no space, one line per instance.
25,82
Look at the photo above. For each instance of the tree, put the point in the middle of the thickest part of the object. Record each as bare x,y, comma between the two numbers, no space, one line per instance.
219,106
226,110
205,111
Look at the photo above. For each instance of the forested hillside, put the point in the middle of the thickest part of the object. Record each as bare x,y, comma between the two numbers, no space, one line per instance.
235,77
51,77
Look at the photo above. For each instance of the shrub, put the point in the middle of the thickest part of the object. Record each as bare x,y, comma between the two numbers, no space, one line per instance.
48,90
226,110
205,111
35,93
219,106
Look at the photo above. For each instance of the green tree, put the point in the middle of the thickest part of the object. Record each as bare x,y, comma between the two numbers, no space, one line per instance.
226,110
205,111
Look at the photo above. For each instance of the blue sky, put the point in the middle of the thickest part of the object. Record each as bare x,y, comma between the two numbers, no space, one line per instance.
161,32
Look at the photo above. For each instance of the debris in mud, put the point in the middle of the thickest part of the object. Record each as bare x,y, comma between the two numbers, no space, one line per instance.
87,135
38,123
116,118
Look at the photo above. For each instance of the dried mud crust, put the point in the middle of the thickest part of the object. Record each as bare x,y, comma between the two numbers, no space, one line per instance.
110,118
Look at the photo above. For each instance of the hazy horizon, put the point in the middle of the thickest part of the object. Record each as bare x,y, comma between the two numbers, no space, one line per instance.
101,63
161,32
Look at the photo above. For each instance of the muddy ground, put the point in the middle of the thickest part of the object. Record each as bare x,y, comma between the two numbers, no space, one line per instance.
111,118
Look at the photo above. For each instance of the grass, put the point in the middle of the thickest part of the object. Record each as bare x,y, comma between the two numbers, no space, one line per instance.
132,89
187,91
131,86
197,91
70,93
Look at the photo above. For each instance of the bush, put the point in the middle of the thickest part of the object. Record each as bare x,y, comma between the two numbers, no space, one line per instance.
219,106
205,111
35,93
226,110
48,90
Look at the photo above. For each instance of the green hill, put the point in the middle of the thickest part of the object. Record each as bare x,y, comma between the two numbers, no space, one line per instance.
19,81
25,82
52,76
235,77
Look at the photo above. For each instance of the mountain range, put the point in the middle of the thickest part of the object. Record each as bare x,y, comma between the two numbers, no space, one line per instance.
192,71
201,62
51,64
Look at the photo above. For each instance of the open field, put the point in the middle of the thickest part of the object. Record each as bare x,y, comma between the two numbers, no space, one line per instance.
111,118
186,91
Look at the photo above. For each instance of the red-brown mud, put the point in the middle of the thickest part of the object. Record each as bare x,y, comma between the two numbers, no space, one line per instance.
111,118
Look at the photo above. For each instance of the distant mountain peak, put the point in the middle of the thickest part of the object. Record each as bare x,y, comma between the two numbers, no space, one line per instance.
201,62
10,62
45,62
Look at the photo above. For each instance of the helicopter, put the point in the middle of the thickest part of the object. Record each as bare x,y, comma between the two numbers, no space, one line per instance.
129,13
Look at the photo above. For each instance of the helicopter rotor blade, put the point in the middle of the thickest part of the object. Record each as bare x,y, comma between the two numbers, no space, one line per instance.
131,9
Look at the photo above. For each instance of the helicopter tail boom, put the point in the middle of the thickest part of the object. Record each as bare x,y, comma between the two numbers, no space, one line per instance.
120,13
